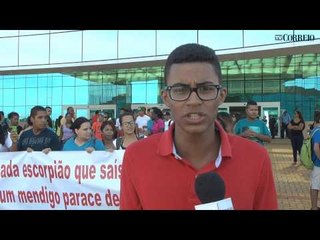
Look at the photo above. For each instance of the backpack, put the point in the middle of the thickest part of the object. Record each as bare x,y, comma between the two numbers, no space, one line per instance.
306,151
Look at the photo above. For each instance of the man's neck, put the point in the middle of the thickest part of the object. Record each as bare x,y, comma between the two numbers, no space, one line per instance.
37,131
199,150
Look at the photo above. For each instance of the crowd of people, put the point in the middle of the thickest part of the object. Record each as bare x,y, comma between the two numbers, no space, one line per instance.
69,133
175,149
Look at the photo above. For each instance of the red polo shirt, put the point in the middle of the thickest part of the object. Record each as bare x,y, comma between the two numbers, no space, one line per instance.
153,178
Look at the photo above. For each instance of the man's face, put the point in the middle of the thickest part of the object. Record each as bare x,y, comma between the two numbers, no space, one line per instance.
193,115
39,121
252,111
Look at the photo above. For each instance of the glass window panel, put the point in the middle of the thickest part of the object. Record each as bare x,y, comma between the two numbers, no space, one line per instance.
42,80
123,94
95,94
109,77
50,96
8,97
271,86
139,92
153,73
95,77
34,50
9,51
81,82
56,94
65,47
167,40
1,96
152,91
7,109
21,110
253,86
270,73
99,45
221,39
57,80
82,95
29,32
43,96
31,96
56,112
235,87
262,37
109,93
20,81
31,80
144,43
82,113
68,80
68,94
20,96
8,81
8,33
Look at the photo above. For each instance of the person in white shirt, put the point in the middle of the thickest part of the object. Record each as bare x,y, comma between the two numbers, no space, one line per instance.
142,120
7,140
168,121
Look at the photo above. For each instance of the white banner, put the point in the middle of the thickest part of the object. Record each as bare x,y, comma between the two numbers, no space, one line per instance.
65,180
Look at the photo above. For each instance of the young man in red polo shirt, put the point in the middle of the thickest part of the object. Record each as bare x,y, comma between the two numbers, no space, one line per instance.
159,172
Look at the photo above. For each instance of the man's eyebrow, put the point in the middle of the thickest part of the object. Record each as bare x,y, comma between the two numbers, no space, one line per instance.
181,84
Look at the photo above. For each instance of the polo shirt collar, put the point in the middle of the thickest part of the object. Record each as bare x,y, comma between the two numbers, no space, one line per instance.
166,144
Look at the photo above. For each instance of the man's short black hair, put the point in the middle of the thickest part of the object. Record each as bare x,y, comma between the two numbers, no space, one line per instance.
190,53
251,102
36,109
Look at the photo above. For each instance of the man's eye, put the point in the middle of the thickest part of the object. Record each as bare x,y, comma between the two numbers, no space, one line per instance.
180,89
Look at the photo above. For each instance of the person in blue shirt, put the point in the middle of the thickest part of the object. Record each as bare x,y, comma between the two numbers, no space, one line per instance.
251,127
315,174
285,119
83,140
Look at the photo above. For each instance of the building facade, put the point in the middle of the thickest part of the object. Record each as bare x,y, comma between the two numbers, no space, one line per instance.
110,69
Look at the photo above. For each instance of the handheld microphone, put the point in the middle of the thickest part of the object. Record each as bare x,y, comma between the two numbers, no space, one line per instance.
210,189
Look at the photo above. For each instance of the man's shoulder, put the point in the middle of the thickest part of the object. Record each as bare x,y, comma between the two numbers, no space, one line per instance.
27,132
242,121
49,132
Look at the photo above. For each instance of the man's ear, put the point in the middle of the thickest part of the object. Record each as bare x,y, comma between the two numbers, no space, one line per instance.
222,95
165,97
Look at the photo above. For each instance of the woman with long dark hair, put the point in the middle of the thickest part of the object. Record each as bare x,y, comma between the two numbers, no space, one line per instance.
129,131
296,126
